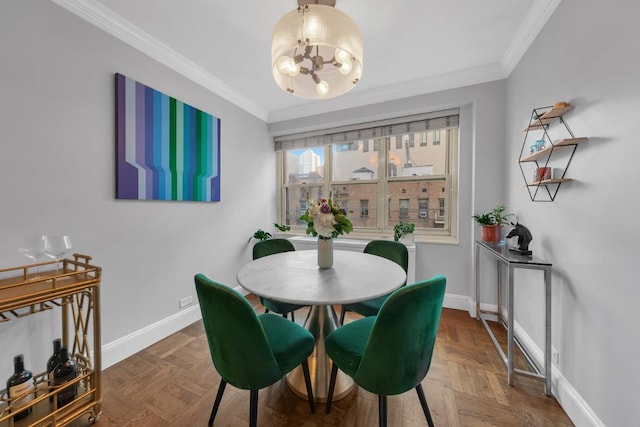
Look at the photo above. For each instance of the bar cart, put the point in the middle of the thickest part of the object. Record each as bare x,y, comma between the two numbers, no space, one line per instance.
75,289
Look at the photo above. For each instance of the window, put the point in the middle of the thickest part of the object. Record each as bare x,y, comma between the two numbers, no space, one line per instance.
404,208
376,173
423,208
364,208
436,137
423,139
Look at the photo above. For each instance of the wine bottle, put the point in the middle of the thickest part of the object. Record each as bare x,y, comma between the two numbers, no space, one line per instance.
20,387
53,362
65,371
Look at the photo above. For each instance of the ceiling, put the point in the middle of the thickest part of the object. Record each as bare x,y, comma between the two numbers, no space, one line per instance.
410,46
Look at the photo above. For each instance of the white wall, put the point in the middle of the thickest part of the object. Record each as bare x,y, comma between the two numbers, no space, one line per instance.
57,167
587,54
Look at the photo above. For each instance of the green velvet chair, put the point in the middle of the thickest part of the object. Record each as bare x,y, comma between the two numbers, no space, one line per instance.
390,353
270,247
394,251
250,351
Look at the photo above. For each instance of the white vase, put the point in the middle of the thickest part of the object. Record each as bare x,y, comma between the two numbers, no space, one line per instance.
325,253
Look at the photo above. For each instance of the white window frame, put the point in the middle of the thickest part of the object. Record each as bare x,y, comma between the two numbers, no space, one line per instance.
383,230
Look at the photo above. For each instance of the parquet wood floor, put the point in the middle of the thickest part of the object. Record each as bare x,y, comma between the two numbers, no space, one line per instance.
173,383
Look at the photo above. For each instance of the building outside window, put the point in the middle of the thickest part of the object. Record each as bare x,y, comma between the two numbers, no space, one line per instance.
392,183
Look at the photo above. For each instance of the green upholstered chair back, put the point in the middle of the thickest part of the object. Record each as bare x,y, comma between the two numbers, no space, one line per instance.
272,246
394,251
239,347
398,353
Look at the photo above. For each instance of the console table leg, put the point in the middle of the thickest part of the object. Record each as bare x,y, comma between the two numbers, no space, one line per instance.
510,328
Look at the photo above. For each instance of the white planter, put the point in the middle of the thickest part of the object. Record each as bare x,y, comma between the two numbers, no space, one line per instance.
408,239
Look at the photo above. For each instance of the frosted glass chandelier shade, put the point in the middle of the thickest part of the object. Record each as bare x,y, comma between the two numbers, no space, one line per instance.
316,52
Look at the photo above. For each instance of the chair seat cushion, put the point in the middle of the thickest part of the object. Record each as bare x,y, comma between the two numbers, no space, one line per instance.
345,346
279,306
369,307
291,343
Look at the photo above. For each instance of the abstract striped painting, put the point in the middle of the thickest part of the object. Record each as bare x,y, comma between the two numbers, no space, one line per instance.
166,149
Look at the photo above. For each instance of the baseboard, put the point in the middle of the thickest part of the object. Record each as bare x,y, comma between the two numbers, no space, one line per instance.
457,302
570,400
130,344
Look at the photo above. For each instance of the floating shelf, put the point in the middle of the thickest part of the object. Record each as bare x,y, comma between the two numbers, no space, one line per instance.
565,143
547,118
548,182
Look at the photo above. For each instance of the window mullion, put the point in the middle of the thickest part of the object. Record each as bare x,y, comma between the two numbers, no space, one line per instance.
383,197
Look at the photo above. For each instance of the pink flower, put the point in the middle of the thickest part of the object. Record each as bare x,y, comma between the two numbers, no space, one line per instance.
324,208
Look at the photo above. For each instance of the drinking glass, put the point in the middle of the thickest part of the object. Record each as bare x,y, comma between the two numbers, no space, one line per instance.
33,247
56,247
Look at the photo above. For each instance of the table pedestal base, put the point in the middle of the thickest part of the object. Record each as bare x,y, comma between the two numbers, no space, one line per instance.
321,321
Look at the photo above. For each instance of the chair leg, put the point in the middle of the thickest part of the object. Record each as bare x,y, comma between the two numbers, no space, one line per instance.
307,381
425,407
216,405
343,311
253,408
266,310
382,410
332,385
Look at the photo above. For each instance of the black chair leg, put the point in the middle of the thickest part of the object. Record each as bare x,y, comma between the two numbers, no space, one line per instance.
253,408
216,404
307,381
293,317
332,385
266,310
382,410
425,407
343,311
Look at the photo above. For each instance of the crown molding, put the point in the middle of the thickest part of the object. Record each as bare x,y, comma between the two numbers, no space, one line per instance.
446,81
538,15
104,18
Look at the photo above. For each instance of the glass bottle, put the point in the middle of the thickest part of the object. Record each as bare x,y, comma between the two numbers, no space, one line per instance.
53,362
20,387
65,371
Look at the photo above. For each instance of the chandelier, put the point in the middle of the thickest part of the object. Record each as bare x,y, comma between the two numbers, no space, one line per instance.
316,51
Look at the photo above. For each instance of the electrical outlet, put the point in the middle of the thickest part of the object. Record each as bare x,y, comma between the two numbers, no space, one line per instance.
555,357
185,301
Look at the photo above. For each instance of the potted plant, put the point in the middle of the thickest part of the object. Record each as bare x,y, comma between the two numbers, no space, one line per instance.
261,235
404,231
491,223
283,229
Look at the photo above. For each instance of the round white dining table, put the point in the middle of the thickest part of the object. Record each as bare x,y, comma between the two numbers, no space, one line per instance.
295,277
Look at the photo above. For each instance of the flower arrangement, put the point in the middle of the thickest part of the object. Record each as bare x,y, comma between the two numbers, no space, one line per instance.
325,219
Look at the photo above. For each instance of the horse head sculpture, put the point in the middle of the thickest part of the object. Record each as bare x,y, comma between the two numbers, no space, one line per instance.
524,238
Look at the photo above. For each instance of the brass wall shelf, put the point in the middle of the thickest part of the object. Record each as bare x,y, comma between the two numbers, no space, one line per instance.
75,289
